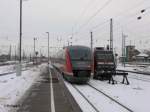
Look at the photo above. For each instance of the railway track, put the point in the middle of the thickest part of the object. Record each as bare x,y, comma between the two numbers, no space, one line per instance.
127,108
104,94
86,98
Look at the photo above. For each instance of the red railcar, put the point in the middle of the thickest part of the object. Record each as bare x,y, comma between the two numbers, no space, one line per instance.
74,62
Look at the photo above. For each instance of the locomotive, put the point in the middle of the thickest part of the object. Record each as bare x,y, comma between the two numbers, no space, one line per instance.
103,63
74,63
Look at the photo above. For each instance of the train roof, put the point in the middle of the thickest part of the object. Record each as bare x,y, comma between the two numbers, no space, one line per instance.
76,46
99,48
102,49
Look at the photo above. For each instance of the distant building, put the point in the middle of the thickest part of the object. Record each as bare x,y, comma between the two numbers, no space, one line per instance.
4,58
131,52
142,57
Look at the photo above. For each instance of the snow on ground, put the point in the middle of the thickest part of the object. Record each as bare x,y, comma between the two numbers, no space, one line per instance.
12,68
13,88
84,105
147,69
136,68
7,63
7,68
102,103
134,96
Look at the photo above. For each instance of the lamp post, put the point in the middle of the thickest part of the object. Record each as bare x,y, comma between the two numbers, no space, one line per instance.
48,47
20,31
34,46
20,42
34,53
124,48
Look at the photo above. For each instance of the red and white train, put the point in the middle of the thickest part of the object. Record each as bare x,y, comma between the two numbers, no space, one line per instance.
75,63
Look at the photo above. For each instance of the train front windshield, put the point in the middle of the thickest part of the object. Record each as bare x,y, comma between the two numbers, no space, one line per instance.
104,55
82,54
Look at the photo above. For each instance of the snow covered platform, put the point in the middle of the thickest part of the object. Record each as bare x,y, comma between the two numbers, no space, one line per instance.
63,99
37,98
14,87
48,94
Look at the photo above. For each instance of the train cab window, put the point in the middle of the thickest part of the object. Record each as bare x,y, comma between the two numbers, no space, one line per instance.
103,55
80,54
100,56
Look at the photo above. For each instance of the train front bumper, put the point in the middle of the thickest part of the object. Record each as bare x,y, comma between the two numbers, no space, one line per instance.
77,80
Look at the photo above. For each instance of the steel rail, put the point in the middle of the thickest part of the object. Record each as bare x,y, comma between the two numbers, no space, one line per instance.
85,98
111,98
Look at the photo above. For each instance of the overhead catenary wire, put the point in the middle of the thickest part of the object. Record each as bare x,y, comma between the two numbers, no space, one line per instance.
83,12
129,9
95,14
120,26
129,22
96,26
133,17
103,35
103,23
100,24
106,3
127,30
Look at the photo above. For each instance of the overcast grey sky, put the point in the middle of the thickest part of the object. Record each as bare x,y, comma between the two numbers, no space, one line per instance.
62,17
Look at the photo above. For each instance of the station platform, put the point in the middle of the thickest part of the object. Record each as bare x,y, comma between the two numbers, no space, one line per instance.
49,94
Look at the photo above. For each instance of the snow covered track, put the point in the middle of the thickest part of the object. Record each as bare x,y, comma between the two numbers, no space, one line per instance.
98,100
86,98
8,73
11,70
141,79
111,98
